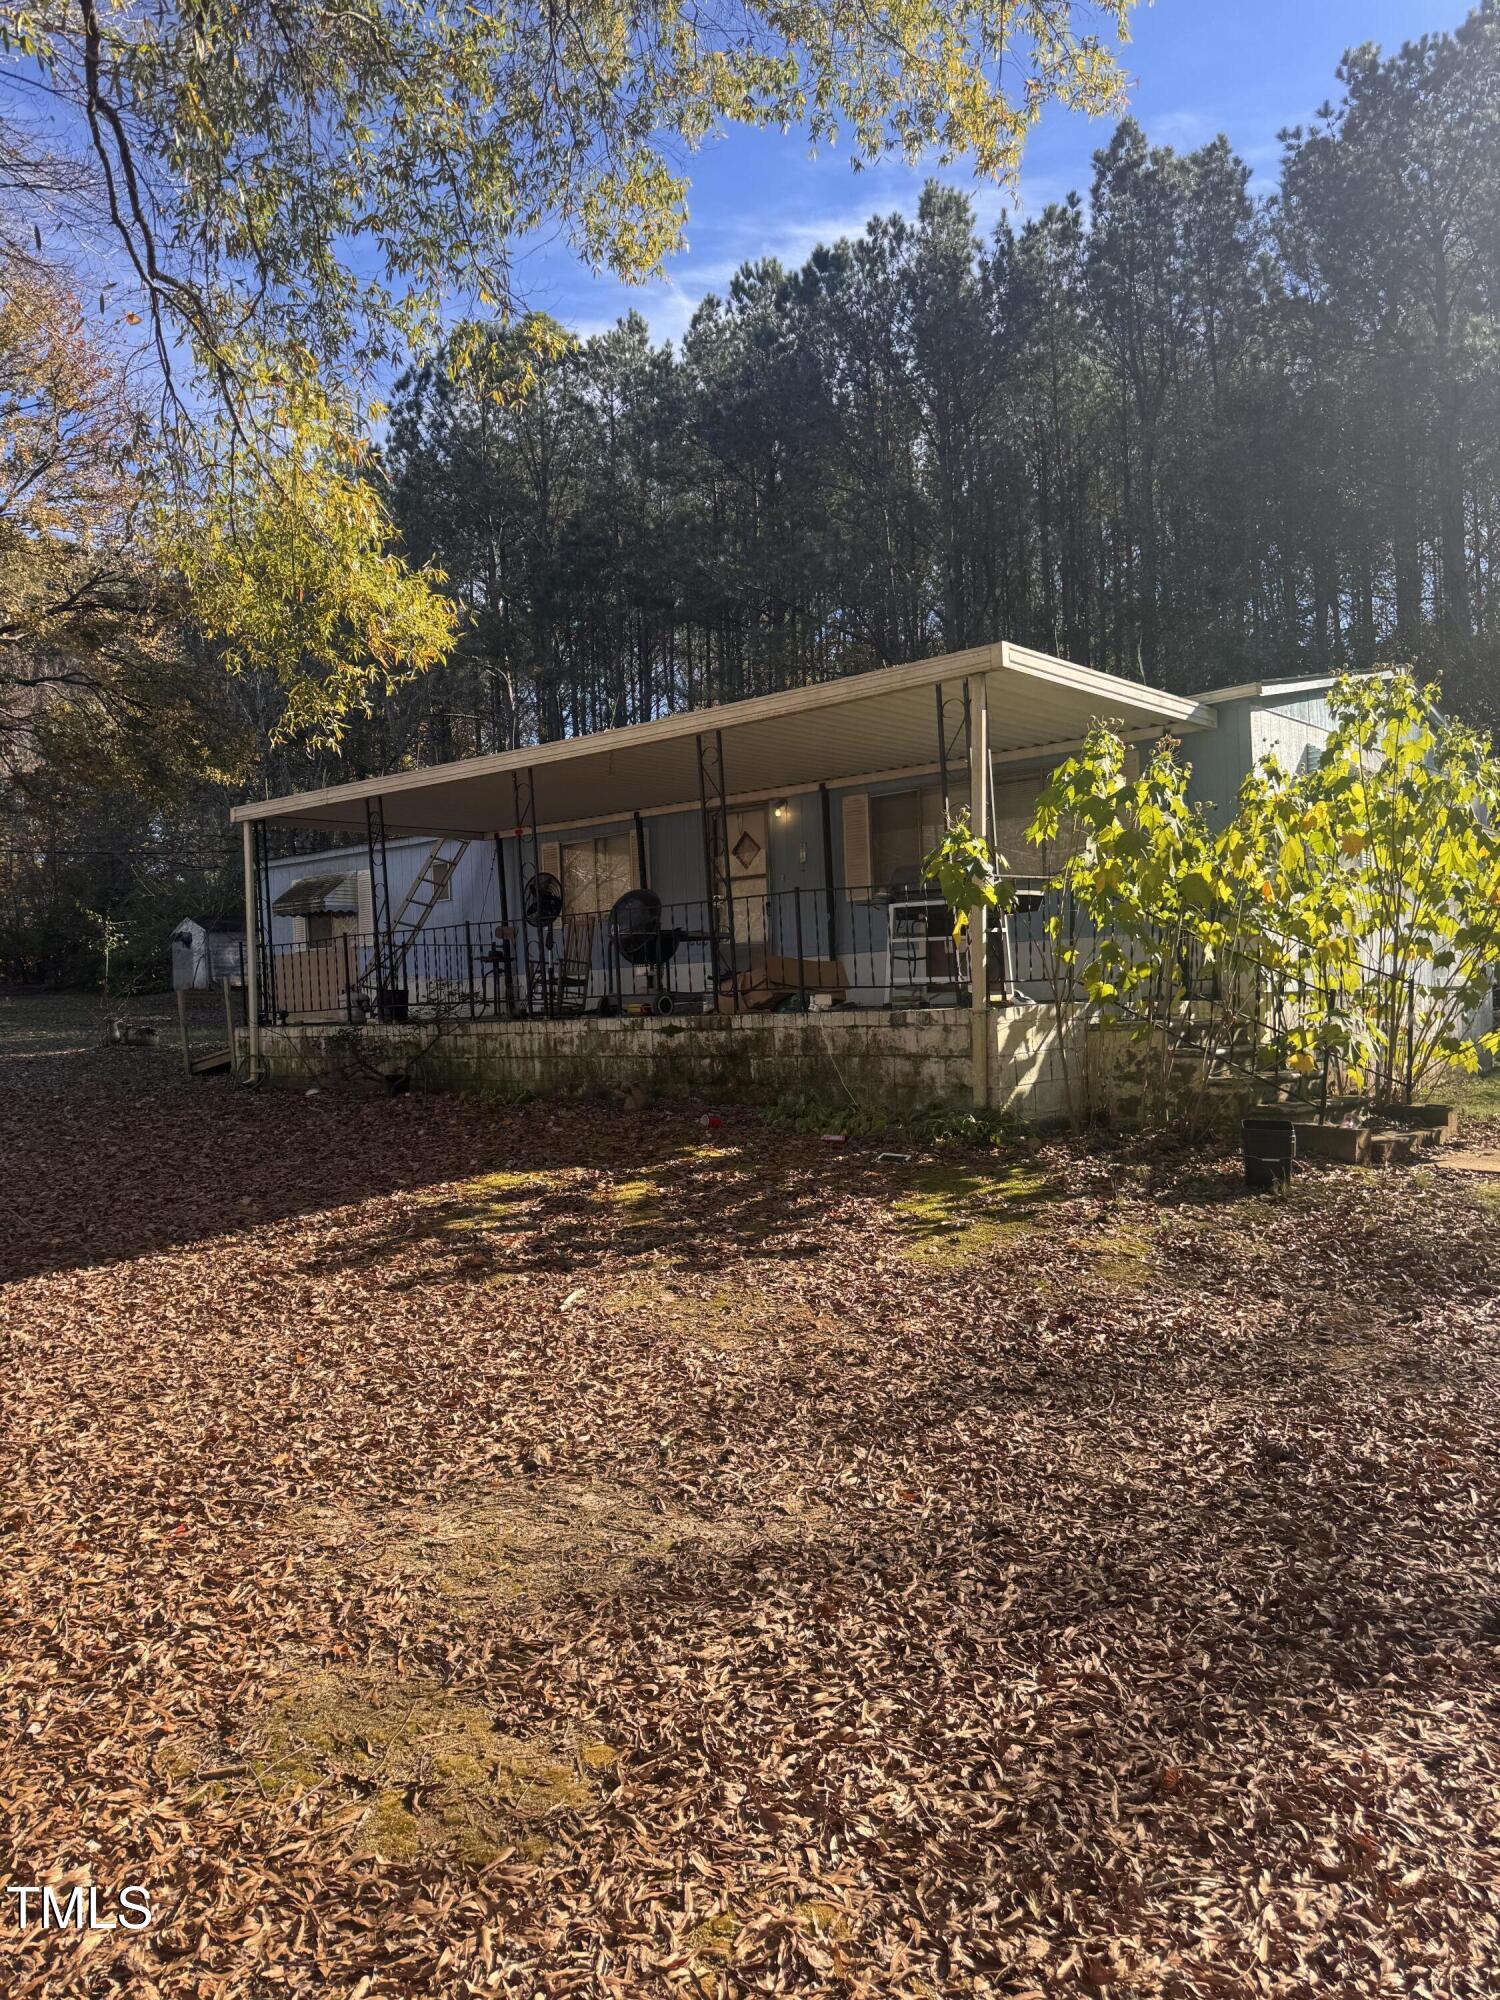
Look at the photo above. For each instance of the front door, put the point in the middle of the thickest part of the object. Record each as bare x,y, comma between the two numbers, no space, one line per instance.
749,879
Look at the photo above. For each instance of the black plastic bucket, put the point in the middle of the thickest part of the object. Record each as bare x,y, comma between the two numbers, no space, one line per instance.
1270,1151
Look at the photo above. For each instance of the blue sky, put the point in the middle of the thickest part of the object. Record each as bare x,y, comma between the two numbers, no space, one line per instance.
1243,67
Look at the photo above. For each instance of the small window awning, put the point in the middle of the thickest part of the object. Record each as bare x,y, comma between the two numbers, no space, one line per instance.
318,896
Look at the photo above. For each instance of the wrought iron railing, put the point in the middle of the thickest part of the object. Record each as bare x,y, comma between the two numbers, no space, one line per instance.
793,949
811,948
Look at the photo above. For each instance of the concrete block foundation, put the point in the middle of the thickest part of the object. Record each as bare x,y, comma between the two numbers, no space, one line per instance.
903,1060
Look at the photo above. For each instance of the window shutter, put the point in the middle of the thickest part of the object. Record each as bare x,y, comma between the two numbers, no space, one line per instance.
551,853
856,811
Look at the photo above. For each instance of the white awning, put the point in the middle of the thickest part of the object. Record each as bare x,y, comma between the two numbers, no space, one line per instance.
862,727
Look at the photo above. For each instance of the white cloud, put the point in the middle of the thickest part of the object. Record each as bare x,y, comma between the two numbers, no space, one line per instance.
666,307
1184,130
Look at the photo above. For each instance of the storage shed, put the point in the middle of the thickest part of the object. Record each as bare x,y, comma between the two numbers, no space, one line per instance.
206,951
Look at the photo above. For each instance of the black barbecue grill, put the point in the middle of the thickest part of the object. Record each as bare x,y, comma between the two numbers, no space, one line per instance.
643,942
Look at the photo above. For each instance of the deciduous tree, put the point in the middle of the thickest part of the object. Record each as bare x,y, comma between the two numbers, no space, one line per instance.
293,194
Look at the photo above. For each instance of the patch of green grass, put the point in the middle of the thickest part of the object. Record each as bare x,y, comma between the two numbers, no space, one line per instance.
595,1755
826,1918
440,1778
491,1091
712,1942
1474,1096
390,1831
193,1763
930,1125
730,1317
639,1197
704,1153
1118,1257
488,1202
953,1214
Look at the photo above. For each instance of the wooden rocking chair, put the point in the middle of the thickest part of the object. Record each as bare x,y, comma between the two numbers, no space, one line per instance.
559,967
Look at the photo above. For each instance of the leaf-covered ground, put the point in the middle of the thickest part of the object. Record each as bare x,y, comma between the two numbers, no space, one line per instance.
452,1550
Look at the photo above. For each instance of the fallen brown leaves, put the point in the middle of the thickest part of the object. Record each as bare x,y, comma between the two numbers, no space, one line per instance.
459,1552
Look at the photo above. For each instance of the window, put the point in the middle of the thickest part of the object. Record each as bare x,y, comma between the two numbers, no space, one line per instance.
326,926
440,875
595,874
905,826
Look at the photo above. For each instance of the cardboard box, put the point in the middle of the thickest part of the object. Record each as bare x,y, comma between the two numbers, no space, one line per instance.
768,977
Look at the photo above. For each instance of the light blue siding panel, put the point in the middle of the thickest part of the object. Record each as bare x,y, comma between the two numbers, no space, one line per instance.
1219,759
1294,728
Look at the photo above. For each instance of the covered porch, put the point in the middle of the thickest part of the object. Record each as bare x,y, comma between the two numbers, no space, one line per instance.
755,858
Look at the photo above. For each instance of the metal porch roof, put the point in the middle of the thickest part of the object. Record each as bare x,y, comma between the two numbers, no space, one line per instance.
858,727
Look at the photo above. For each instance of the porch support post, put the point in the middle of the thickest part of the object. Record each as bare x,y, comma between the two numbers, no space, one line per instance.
825,813
251,967
536,937
713,803
977,693
942,749
501,884
506,946
267,929
947,741
524,784
380,909
1007,935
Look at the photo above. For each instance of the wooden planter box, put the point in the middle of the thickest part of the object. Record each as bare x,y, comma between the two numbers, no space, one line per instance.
1424,1127
1348,1145
1439,1122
